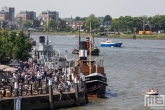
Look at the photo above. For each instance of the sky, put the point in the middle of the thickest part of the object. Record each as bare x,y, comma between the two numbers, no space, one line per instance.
84,8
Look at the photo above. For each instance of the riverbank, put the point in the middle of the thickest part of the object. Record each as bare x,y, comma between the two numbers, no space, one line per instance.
121,36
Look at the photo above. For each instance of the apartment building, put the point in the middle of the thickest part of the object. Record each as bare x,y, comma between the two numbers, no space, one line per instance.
52,15
8,11
26,15
4,16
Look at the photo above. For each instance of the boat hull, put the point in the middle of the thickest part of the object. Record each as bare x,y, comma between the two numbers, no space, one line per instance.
152,93
96,85
110,44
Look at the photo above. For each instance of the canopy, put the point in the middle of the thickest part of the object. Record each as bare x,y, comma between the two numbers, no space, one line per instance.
3,66
10,69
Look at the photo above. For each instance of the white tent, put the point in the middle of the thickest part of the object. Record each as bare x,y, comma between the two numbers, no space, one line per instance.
10,69
3,67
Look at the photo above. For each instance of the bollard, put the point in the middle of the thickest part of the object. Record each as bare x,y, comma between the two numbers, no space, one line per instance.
51,95
134,36
11,90
85,89
41,89
76,90
16,94
31,89
21,89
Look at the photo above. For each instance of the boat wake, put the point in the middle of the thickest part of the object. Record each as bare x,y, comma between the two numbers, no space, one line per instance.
111,93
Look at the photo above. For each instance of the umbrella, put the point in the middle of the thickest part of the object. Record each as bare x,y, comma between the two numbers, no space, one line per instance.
3,66
10,69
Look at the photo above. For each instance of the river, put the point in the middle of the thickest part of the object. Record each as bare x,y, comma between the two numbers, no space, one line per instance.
131,70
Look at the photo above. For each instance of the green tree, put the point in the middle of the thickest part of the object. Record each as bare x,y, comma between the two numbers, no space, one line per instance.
68,29
13,45
107,18
4,24
62,25
27,24
36,23
20,22
52,24
22,47
77,18
83,19
95,23
115,25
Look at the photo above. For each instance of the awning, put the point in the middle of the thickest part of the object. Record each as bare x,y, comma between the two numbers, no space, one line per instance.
3,67
10,69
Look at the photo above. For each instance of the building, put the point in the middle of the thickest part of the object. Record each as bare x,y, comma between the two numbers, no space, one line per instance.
75,24
4,16
10,11
26,15
52,15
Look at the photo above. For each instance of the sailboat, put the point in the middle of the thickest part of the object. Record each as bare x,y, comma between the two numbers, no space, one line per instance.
93,70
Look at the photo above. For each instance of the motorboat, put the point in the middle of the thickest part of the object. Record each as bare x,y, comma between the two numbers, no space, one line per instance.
110,43
152,93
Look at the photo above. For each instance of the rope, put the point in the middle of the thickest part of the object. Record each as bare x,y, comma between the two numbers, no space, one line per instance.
72,99
69,97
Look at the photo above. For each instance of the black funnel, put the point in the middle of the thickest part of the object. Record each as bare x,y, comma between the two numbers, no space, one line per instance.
42,39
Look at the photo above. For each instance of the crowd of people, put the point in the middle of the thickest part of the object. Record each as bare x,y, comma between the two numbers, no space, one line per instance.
153,91
35,74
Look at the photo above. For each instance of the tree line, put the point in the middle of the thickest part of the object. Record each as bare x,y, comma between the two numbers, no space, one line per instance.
121,24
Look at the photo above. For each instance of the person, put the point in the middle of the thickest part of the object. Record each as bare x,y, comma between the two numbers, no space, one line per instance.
156,90
152,90
149,90
69,85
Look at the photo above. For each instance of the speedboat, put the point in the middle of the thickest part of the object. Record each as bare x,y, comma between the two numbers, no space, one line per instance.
110,43
152,93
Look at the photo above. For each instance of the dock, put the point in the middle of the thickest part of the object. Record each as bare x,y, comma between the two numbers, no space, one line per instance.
41,99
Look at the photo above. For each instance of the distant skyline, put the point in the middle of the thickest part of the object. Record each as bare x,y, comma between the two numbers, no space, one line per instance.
83,8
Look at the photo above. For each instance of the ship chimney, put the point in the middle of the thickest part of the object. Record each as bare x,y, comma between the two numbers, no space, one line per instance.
83,50
42,39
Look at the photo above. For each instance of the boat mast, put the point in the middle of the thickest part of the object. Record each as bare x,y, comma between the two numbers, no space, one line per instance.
79,37
90,49
47,27
47,35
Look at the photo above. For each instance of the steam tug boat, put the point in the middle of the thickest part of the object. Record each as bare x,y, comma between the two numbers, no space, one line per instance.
95,50
93,70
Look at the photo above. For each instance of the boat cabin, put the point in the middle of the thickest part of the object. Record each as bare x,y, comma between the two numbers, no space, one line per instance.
84,65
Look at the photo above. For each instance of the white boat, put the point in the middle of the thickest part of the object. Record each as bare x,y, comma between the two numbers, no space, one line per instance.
110,43
152,93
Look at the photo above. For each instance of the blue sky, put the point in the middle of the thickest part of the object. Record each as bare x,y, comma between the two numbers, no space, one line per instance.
83,8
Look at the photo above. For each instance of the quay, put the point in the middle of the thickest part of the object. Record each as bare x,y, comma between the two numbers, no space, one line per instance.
40,99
